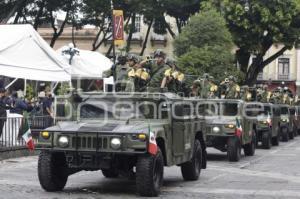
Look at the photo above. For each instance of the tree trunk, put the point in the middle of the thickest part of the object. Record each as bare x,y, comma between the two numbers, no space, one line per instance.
146,38
131,31
109,50
243,58
178,25
37,20
170,30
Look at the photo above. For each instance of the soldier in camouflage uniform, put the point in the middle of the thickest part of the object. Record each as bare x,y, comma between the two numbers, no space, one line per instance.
173,78
246,95
223,88
137,76
119,73
213,89
233,90
157,69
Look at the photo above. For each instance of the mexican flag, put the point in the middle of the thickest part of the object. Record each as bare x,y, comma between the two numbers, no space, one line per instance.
269,120
26,134
152,147
239,129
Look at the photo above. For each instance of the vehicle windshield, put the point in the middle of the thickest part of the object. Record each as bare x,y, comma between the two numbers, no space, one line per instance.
123,109
284,110
257,110
219,108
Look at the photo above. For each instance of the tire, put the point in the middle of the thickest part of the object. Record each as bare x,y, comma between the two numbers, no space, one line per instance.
266,140
233,149
191,170
110,173
275,140
285,134
52,171
291,135
149,174
249,149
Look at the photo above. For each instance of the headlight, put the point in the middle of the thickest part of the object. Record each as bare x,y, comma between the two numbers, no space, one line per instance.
264,122
115,143
45,134
230,126
63,141
284,120
216,129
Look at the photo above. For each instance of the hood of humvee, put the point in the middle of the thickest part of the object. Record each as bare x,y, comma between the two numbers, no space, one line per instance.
113,126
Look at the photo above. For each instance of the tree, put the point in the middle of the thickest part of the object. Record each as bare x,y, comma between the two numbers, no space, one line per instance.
256,25
204,46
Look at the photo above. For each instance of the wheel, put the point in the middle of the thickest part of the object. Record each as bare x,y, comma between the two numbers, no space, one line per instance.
191,170
291,135
284,134
266,140
249,149
275,140
110,173
52,171
233,149
149,174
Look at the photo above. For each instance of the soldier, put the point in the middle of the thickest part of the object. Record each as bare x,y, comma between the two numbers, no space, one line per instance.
137,76
233,90
173,78
223,88
157,70
213,89
119,72
246,94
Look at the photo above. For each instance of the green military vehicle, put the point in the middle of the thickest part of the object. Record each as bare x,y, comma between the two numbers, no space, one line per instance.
132,135
294,120
286,124
226,127
266,123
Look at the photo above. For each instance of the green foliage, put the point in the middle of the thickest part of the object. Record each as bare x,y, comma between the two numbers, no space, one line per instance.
29,92
256,25
205,29
204,46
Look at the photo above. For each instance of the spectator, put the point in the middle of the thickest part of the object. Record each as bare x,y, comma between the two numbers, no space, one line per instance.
3,106
47,109
18,105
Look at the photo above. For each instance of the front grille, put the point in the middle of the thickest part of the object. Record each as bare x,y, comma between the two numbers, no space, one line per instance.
90,142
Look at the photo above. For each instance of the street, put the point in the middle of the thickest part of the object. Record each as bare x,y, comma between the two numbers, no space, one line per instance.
271,173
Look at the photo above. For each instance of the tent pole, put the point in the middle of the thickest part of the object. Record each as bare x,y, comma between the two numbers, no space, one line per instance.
11,83
25,87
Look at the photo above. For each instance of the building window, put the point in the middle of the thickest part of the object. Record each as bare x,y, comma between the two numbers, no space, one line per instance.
283,68
138,23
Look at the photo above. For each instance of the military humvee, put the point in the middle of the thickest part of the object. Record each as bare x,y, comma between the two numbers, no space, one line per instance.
286,124
124,135
226,127
266,123
294,120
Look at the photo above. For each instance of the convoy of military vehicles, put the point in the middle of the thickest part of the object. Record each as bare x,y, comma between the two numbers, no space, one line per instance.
138,134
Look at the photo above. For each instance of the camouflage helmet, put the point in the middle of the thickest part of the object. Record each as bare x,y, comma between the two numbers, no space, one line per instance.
159,53
211,78
133,57
170,62
231,78
205,76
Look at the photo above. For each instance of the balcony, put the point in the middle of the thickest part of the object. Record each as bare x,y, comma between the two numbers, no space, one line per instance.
158,39
283,77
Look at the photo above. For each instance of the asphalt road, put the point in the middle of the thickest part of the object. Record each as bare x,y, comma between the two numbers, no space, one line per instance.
271,173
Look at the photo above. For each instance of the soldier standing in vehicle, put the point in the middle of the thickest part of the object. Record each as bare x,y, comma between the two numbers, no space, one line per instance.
246,94
157,69
173,78
223,88
119,72
213,89
137,76
233,90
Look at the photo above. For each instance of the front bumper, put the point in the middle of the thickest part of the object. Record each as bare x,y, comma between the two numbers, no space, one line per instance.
93,142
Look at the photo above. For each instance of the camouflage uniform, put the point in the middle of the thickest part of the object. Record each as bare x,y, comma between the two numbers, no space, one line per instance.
233,89
173,77
213,88
119,72
246,94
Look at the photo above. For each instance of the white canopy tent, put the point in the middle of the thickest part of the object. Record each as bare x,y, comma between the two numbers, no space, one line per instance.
86,64
24,54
